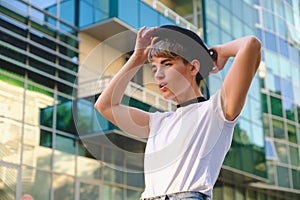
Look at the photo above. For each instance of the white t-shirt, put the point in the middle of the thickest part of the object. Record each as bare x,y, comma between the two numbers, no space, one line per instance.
186,148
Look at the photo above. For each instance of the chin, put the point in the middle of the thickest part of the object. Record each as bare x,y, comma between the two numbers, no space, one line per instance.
168,96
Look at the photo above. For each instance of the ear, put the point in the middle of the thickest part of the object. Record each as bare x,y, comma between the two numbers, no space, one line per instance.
195,66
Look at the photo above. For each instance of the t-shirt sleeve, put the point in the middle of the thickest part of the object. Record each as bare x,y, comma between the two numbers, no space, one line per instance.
217,126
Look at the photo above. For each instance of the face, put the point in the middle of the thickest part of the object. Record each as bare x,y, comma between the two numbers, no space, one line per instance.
172,76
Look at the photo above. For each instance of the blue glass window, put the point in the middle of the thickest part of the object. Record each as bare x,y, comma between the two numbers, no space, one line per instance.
164,20
236,9
289,14
285,68
258,33
212,33
287,89
149,16
85,14
270,41
294,54
211,11
270,150
268,19
67,11
225,21
128,12
283,47
281,26
272,62
238,27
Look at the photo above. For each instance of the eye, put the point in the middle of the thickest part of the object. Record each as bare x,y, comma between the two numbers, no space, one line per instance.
168,64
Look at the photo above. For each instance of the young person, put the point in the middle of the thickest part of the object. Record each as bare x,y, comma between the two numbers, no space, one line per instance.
186,147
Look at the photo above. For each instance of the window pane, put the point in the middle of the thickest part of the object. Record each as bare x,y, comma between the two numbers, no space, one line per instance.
285,68
111,192
228,192
63,186
294,152
64,162
282,151
272,62
149,16
296,179
36,183
211,10
283,176
283,47
292,133
289,109
225,19
8,182
269,21
270,41
276,106
89,191
238,27
133,195
278,129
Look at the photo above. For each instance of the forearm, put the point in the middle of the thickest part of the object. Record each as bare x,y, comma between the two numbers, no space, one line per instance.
232,48
236,84
114,92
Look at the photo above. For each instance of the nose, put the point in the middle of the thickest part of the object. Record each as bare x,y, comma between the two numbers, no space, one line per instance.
159,74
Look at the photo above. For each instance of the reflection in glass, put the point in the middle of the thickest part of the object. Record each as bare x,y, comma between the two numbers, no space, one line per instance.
132,194
35,155
273,83
8,182
89,191
112,192
63,186
294,152
64,162
276,106
292,133
278,129
296,180
290,110
270,150
282,152
36,183
283,176
270,39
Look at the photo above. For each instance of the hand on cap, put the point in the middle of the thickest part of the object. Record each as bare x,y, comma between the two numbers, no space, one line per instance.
218,59
144,42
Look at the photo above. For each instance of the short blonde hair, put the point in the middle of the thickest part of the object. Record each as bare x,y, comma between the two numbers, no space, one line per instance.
166,48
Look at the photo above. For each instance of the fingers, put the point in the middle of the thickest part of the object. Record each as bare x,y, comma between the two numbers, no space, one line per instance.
140,32
214,70
147,34
153,40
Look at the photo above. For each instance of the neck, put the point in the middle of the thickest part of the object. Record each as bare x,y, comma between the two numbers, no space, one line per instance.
190,94
191,101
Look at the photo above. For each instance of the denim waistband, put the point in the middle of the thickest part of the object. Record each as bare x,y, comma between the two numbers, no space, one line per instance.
180,196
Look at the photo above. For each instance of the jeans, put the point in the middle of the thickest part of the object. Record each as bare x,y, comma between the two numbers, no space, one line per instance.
180,196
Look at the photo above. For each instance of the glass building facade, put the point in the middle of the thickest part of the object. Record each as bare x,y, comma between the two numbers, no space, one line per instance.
54,145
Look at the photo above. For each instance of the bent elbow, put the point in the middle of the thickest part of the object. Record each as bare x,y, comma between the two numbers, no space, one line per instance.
255,43
99,107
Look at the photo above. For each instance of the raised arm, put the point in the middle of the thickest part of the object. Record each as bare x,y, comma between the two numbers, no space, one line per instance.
246,51
129,119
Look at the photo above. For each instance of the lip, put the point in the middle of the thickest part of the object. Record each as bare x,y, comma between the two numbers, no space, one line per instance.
162,86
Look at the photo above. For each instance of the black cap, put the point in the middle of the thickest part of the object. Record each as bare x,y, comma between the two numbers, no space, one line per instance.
195,47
